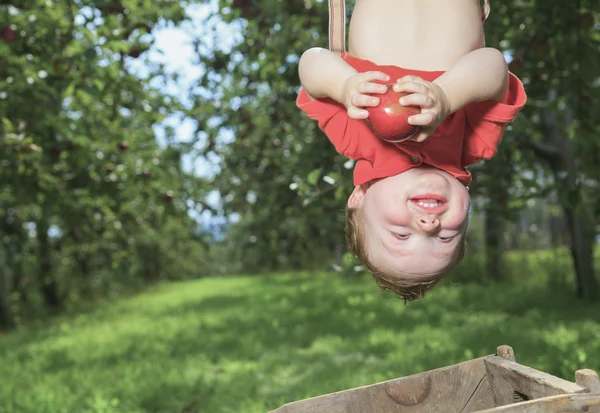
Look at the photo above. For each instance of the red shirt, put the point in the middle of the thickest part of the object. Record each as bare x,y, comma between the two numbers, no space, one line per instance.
465,137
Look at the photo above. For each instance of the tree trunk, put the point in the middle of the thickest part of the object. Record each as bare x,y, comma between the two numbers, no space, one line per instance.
149,255
499,177
49,287
581,228
13,255
582,252
494,245
556,231
86,282
562,157
14,262
7,320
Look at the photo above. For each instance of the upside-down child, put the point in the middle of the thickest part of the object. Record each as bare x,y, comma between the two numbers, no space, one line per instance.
407,216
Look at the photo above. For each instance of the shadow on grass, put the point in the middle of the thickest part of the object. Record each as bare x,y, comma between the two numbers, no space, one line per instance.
305,327
285,338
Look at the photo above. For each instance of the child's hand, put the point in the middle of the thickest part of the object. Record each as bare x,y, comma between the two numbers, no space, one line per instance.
356,92
432,100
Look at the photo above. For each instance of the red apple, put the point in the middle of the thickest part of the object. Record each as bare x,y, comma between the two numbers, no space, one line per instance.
136,52
586,20
541,47
587,126
8,35
112,7
60,66
516,66
587,99
389,120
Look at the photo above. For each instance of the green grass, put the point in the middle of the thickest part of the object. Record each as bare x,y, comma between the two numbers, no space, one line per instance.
251,344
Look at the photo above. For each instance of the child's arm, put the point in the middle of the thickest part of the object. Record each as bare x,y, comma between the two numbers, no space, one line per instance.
325,74
478,76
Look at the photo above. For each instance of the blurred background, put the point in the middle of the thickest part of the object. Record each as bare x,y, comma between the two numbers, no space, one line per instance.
171,226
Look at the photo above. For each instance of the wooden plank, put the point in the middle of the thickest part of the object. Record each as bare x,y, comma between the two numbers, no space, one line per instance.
566,403
482,398
502,391
448,389
509,379
506,352
589,379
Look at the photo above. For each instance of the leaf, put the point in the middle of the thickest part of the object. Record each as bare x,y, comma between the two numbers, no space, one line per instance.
340,193
70,89
7,125
313,176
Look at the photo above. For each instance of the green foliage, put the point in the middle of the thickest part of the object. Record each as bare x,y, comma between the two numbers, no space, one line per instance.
251,344
269,173
79,155
272,172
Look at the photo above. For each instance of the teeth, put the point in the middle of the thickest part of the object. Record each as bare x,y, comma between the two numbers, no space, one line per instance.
428,205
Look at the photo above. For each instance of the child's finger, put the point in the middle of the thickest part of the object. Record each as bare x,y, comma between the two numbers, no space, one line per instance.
417,99
370,87
375,75
422,119
410,87
357,113
420,137
361,100
410,78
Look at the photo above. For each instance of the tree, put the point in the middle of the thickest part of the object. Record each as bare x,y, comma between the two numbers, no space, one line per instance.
264,146
84,181
278,160
555,49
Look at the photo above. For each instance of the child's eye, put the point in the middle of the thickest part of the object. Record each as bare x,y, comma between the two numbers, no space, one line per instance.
445,239
403,236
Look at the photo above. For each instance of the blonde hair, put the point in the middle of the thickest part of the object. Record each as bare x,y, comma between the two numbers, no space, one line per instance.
408,291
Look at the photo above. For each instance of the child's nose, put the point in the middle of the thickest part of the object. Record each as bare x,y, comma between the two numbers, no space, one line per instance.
428,224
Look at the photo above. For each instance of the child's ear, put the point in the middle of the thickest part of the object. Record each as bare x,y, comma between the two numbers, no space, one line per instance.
357,196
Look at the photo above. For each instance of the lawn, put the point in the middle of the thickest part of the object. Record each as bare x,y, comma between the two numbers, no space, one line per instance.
251,344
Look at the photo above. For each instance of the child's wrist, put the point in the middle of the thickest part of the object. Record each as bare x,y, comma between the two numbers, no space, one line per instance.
453,99
342,88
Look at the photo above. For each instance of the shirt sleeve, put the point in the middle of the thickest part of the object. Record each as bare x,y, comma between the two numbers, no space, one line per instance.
486,121
333,119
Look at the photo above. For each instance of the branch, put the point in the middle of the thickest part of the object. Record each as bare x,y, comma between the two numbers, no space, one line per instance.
543,150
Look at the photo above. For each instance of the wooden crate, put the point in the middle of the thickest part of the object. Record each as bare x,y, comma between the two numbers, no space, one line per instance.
491,384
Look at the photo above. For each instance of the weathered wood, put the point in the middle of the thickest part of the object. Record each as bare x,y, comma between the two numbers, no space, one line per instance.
456,388
566,403
501,390
489,384
506,352
482,398
509,379
589,379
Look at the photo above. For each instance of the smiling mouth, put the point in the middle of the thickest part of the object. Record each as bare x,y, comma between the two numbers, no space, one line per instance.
430,203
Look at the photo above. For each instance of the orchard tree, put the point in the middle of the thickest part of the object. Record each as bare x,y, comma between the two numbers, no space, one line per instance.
555,49
253,83
278,161
81,166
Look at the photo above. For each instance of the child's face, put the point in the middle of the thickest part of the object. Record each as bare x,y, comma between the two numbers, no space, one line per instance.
405,232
